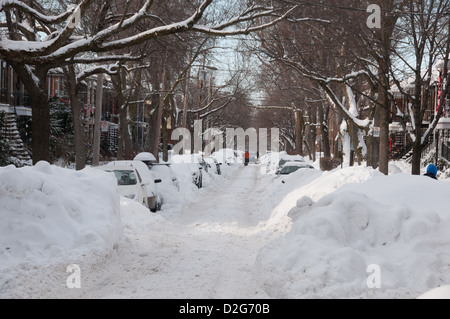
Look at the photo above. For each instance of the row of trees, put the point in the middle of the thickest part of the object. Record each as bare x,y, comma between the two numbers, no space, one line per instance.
318,60
143,45
348,60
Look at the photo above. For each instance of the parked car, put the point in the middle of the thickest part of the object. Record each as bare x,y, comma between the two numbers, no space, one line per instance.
213,164
188,166
162,171
135,181
146,158
288,158
291,167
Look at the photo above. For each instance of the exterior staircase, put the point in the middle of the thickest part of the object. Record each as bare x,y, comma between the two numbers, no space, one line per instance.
17,151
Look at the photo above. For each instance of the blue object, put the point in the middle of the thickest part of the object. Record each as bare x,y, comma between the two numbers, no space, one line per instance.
432,169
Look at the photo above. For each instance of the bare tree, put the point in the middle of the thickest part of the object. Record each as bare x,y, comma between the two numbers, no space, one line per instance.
37,37
425,30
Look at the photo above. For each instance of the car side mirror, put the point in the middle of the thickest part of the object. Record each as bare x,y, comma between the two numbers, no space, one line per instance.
158,181
145,184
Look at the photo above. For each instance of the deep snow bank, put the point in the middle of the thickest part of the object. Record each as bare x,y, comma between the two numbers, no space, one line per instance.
347,220
49,214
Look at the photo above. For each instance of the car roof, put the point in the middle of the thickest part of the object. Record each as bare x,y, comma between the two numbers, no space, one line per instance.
145,157
139,166
299,164
292,157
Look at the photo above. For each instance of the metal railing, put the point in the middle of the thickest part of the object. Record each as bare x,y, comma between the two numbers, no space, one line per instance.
4,95
445,151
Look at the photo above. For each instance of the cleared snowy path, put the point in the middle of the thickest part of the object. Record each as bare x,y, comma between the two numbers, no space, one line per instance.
207,250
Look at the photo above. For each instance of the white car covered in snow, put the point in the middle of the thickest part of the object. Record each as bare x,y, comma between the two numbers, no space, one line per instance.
188,167
292,167
147,158
135,181
284,158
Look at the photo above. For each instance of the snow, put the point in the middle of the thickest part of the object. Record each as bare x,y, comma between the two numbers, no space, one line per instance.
48,213
346,234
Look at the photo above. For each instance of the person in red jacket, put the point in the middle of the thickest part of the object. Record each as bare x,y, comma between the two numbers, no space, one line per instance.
247,158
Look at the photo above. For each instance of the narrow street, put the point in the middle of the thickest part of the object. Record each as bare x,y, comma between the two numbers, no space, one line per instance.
207,250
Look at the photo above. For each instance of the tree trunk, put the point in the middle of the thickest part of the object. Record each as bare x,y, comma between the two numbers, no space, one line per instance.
299,132
41,126
40,106
418,120
416,162
325,139
159,115
78,129
313,133
384,135
125,147
165,152
416,158
125,139
97,120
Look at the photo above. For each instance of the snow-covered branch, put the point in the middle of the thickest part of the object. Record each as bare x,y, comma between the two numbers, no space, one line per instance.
105,69
39,16
63,45
220,29
103,59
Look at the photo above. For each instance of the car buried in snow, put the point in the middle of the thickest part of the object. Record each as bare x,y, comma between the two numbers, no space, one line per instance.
136,182
189,167
292,167
288,158
213,164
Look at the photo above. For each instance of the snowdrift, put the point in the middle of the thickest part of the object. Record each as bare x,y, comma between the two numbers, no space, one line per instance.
49,214
345,223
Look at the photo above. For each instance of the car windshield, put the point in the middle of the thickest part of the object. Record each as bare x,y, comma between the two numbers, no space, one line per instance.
125,177
289,169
